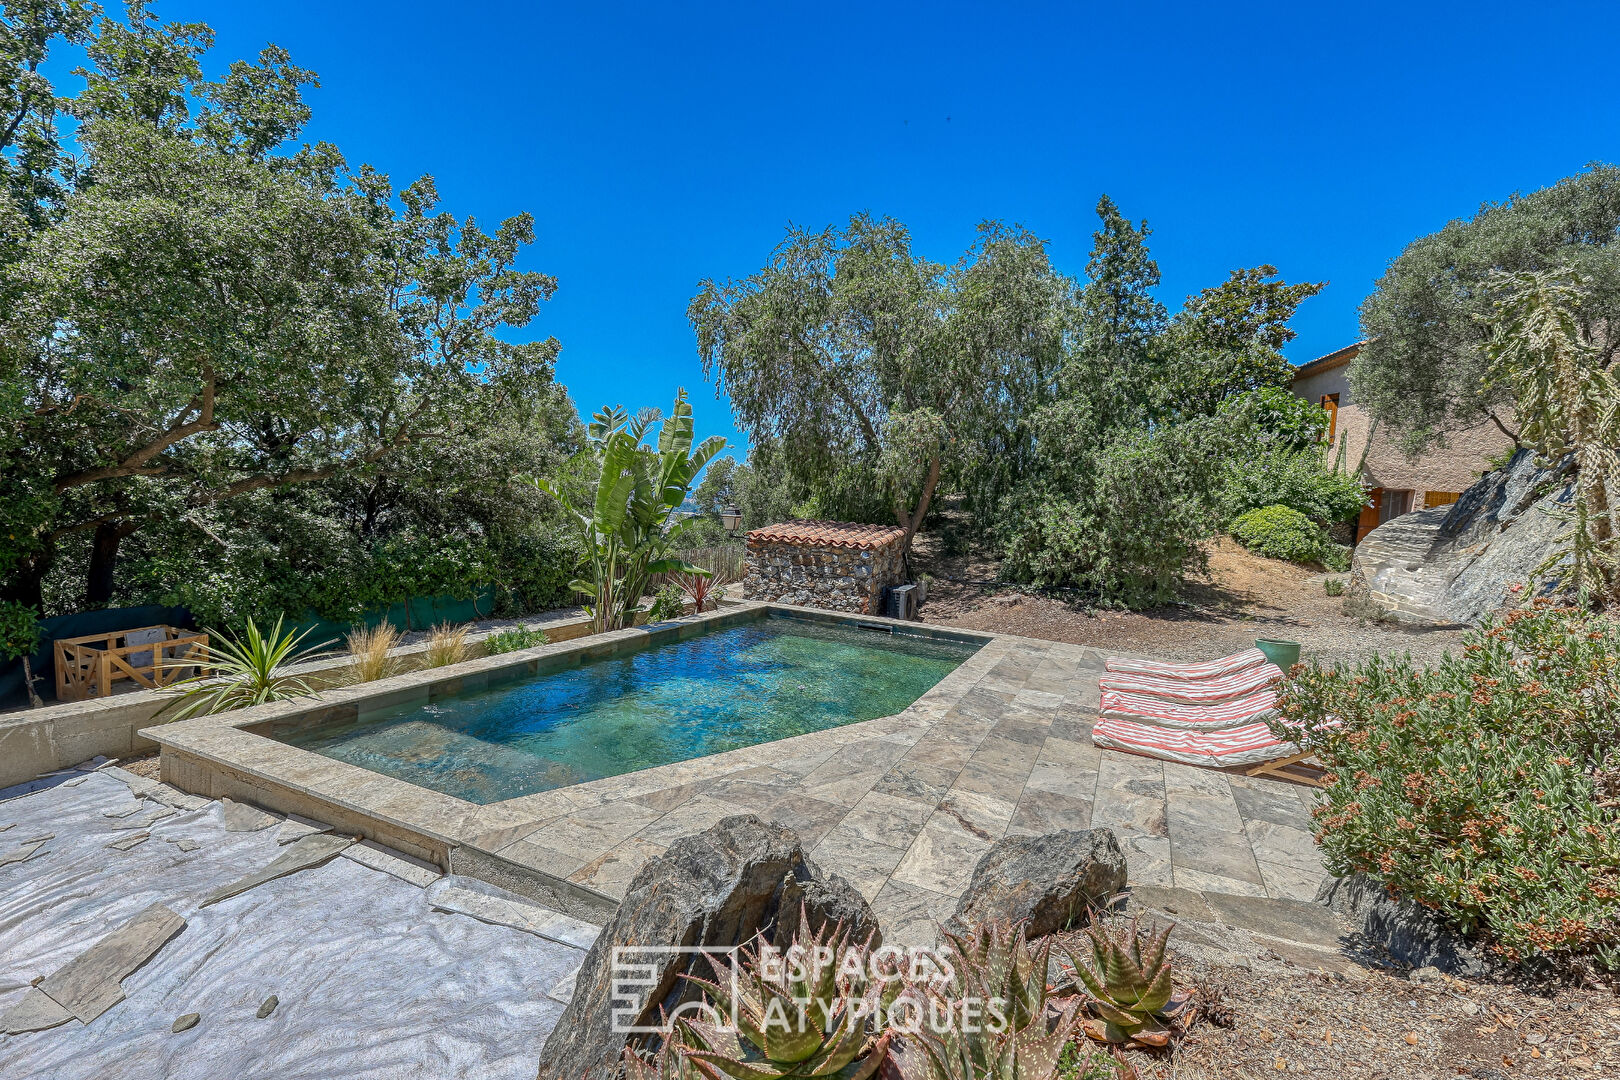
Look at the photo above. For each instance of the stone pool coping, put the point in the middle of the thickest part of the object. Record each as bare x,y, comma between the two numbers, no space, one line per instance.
218,756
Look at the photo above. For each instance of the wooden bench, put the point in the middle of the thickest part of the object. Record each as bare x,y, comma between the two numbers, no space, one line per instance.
150,656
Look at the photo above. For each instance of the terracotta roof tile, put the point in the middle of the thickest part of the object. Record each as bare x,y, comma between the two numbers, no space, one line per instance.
829,534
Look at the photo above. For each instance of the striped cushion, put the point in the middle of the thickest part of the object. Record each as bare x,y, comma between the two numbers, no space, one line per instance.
1204,692
1247,745
1213,669
1174,714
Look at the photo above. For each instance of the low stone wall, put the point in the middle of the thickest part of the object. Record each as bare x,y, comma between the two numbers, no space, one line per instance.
37,741
835,578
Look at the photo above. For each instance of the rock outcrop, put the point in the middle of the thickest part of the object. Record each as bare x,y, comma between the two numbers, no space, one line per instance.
716,889
1455,564
1046,882
1411,935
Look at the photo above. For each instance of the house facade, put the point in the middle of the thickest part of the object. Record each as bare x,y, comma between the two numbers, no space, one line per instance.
1398,484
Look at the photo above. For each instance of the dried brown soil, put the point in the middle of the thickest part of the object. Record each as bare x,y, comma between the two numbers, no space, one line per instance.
1386,1028
1242,596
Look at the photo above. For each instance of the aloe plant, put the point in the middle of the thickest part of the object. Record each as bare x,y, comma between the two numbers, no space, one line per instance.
798,1018
247,671
626,535
993,963
1130,983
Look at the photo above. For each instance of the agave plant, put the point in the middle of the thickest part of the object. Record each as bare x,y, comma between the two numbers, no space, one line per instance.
1022,1040
626,535
1130,983
247,671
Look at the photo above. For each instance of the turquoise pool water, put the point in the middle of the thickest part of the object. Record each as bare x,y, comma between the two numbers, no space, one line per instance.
756,683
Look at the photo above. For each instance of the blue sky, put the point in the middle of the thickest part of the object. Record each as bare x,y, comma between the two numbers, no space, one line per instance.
660,144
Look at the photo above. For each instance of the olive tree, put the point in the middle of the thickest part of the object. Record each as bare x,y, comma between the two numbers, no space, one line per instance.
1423,370
867,367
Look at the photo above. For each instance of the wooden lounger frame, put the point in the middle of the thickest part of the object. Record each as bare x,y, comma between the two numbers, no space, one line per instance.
88,666
1292,767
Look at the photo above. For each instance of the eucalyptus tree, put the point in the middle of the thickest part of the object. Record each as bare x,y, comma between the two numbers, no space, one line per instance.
1423,370
848,350
210,311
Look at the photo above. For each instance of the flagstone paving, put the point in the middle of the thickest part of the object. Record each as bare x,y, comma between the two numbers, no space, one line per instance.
905,806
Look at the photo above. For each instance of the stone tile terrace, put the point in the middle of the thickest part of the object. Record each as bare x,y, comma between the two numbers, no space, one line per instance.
904,806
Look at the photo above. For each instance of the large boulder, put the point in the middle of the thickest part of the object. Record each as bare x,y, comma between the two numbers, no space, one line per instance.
717,889
1455,564
820,901
1046,882
1408,933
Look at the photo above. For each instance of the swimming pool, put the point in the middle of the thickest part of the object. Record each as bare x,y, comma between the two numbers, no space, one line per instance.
768,679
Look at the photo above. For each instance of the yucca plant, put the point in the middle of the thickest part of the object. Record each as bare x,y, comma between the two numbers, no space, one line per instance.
370,648
797,1018
247,671
992,963
446,645
1131,985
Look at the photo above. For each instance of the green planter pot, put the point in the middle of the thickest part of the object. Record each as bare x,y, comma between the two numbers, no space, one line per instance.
1285,654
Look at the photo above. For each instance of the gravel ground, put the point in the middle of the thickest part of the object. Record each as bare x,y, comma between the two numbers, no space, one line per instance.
1387,1028
1242,597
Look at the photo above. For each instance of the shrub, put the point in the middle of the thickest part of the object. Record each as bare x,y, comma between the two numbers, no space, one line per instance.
1280,533
668,603
1124,529
519,637
1298,479
1333,586
1482,787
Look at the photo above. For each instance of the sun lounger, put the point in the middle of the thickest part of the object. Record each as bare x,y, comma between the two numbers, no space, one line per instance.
1209,691
1141,709
1252,747
1212,669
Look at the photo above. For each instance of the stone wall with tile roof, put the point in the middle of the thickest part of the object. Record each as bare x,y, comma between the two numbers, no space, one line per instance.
838,565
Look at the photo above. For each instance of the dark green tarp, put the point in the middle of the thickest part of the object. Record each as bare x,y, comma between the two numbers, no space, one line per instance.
80,624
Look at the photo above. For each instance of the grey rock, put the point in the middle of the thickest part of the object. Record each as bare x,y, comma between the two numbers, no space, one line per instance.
37,1011
1411,935
824,902
183,843
186,1022
1454,564
1425,975
124,811
716,889
1046,882
268,1007
314,850
240,817
130,841
89,984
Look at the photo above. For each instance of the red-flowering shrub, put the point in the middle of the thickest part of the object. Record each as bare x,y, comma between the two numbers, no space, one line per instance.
1483,787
